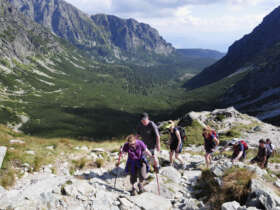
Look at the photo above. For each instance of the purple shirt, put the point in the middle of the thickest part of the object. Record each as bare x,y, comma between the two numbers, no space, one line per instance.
135,153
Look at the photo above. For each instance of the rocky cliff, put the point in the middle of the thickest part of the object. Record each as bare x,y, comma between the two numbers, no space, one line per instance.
106,37
21,37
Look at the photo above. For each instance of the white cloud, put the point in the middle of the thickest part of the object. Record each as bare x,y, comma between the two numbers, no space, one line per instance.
213,23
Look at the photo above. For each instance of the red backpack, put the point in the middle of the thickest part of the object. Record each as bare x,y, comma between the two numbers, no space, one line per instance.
244,144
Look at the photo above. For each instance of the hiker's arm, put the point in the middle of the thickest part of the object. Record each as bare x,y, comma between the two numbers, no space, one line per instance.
216,141
157,137
179,140
158,143
238,156
148,152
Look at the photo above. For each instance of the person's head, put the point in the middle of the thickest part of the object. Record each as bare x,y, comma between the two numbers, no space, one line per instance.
262,143
268,141
145,119
131,140
171,124
207,131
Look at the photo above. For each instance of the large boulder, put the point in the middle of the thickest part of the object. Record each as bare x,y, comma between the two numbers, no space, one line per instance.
264,195
3,151
150,201
171,173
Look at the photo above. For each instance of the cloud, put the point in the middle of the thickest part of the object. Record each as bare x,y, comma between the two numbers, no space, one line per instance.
209,23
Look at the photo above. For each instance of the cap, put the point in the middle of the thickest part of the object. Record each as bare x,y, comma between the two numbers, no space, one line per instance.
144,116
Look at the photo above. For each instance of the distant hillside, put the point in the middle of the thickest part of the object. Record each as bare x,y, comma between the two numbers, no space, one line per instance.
252,71
243,52
201,53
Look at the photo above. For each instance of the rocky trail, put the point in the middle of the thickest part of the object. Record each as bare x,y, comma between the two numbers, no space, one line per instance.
182,187
93,188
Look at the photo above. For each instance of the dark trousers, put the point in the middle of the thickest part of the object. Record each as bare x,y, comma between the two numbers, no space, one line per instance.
138,173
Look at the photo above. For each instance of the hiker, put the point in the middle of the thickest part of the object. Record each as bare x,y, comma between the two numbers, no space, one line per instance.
175,142
270,151
239,150
149,133
137,164
262,154
210,143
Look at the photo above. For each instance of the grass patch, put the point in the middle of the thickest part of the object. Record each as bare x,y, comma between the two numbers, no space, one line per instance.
7,178
236,183
194,134
99,162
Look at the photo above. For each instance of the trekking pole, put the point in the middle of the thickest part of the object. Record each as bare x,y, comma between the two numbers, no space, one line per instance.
119,159
156,174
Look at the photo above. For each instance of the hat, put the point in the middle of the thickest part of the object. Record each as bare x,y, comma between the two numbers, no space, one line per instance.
144,116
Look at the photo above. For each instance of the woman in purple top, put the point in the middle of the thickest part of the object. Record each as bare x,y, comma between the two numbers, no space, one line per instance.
136,164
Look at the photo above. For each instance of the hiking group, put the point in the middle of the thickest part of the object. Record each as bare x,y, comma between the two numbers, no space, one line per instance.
141,152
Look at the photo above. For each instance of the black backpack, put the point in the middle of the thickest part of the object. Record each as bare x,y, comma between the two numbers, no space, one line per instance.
182,133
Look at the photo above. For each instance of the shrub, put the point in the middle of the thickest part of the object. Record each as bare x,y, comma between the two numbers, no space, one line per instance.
236,187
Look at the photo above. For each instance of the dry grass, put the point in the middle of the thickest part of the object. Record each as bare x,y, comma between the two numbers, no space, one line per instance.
62,147
99,162
236,182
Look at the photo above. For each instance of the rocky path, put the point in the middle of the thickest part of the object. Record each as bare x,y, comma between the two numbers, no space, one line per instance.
93,188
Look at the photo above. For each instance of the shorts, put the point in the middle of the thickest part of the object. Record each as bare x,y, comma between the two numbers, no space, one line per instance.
209,150
173,147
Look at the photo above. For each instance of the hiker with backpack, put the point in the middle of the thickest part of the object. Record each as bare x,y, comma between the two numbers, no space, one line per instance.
175,141
149,133
239,150
270,151
137,165
210,143
262,154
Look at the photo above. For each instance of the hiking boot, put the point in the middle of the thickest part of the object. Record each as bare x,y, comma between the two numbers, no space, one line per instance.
133,192
141,188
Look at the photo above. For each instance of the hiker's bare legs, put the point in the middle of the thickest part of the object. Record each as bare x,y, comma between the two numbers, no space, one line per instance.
178,158
171,157
208,159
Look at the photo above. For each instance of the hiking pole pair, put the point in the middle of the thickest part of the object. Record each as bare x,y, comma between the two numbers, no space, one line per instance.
119,159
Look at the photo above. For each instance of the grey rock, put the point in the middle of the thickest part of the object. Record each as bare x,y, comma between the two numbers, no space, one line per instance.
30,152
16,141
150,201
266,196
231,206
171,173
277,183
3,151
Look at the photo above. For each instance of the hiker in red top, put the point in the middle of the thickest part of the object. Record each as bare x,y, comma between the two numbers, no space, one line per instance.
210,143
239,150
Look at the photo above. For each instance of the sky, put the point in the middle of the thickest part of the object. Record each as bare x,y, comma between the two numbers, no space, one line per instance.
207,24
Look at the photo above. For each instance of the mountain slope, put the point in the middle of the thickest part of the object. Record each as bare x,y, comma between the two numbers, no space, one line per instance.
105,37
200,53
255,61
242,53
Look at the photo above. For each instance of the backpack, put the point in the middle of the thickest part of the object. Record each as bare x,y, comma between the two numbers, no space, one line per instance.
182,133
244,144
215,134
269,149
